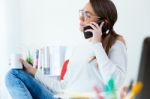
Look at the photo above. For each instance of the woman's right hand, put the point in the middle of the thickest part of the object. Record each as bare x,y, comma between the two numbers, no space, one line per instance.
28,67
97,32
123,92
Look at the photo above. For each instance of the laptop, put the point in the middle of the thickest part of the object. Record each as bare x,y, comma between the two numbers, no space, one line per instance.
144,70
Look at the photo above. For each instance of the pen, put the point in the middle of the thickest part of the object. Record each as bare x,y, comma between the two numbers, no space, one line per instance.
99,94
135,90
130,87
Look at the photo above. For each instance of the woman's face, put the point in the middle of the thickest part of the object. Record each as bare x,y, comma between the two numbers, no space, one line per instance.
87,15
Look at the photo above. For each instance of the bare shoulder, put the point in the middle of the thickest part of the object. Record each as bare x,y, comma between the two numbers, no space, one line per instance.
121,38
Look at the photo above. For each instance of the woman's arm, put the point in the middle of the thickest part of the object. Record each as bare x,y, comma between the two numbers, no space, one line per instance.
53,84
113,65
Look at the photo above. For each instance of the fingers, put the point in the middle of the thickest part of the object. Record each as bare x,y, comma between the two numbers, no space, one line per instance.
21,60
123,93
24,63
89,30
101,25
96,31
94,25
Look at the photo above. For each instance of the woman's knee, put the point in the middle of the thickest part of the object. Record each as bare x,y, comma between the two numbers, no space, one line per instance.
11,74
17,74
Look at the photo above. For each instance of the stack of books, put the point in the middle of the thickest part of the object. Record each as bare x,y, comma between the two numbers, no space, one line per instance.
49,59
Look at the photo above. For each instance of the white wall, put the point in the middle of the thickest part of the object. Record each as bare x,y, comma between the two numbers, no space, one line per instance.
134,24
3,45
26,24
9,37
45,22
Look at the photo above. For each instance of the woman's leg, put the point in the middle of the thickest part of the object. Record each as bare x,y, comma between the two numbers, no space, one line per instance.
22,85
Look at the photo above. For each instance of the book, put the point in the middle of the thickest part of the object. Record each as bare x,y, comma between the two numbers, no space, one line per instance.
49,59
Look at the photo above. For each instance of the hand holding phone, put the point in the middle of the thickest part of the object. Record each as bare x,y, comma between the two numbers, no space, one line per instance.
89,34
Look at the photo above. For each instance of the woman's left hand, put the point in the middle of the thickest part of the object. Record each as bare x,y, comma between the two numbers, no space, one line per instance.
29,68
97,32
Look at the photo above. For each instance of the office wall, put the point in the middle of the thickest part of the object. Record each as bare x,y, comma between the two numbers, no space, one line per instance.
3,47
27,24
133,23
10,37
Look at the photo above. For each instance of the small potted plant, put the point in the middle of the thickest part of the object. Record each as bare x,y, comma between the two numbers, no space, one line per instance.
29,58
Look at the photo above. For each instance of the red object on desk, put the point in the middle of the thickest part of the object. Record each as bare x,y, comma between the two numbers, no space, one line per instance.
64,69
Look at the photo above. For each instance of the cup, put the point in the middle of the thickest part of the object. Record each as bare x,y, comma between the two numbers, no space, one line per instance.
15,61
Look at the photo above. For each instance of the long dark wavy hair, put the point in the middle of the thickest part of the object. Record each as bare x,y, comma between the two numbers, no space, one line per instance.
107,10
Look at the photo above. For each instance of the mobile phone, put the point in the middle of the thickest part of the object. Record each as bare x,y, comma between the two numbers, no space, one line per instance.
89,34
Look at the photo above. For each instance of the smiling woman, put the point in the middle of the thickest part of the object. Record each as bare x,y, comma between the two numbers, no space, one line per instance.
105,46
33,24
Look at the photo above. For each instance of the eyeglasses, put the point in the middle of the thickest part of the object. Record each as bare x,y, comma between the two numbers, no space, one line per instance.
86,15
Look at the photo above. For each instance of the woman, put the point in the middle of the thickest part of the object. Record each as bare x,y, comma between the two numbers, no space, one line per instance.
106,53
